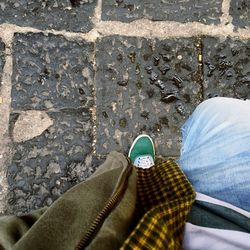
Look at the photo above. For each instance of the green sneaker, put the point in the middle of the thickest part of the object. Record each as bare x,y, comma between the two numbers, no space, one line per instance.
142,152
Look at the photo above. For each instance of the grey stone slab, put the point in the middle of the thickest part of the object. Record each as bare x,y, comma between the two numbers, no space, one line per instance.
46,166
2,59
51,72
226,67
203,11
240,11
70,15
144,86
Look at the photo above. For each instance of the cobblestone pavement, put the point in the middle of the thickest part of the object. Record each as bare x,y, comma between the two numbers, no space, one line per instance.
80,78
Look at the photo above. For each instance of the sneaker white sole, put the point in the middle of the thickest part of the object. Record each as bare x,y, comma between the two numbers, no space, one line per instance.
137,138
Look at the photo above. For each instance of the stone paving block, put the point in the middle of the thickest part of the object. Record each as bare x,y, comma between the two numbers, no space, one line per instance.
144,86
226,67
50,72
44,167
2,59
240,11
203,11
70,15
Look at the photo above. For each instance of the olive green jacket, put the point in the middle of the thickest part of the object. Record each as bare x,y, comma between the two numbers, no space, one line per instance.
95,214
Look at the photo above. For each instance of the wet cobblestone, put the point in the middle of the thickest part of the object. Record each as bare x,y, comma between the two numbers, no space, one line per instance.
203,11
226,68
70,15
144,86
2,59
51,72
240,11
41,168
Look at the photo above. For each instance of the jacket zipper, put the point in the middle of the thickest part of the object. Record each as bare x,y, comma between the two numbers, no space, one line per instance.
109,206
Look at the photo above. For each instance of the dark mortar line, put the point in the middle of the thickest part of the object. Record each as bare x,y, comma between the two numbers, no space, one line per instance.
66,109
94,108
200,78
3,56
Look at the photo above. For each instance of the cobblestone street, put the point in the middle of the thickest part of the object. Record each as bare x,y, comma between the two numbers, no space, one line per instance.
80,78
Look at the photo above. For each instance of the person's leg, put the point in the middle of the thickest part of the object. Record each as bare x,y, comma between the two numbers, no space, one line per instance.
215,153
163,199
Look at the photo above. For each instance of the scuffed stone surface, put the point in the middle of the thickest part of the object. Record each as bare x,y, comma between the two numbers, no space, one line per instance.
70,15
203,11
144,86
226,68
30,124
2,59
46,166
52,76
240,11
50,72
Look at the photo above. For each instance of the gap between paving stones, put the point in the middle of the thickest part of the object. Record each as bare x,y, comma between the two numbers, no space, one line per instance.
140,28
5,93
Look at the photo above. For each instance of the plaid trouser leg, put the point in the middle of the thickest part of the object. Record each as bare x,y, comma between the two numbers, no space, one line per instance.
164,198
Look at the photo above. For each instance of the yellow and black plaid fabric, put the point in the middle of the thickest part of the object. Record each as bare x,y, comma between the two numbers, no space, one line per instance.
164,198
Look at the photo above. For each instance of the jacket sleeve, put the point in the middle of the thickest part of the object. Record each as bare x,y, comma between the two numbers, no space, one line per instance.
12,228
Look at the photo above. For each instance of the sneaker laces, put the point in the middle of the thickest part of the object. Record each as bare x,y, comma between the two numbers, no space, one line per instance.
144,161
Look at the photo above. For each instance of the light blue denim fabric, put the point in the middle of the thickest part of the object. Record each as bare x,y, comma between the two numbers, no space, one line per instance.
215,154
